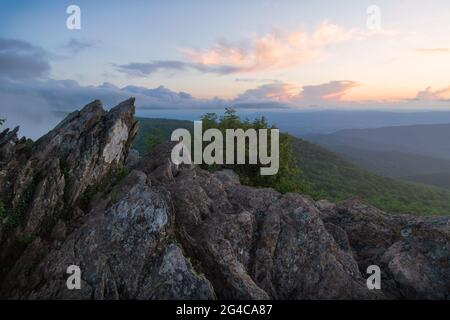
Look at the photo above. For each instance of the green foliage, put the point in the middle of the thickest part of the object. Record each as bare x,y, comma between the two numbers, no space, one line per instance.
26,240
115,179
13,217
323,174
114,196
24,202
64,167
2,210
28,146
87,195
152,139
288,178
2,121
156,129
339,180
106,186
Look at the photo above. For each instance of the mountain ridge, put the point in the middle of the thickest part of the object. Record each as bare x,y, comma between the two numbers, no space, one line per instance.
424,139
144,228
417,153
337,178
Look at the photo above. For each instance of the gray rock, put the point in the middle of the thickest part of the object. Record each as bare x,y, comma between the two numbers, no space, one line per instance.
45,184
164,231
413,252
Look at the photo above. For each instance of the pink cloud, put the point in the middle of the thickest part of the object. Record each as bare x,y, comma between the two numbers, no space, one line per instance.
276,50
330,92
433,50
333,90
430,94
276,91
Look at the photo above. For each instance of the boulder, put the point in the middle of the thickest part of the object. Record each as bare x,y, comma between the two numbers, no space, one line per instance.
145,228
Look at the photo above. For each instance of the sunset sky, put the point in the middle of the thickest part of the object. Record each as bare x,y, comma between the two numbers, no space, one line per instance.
299,53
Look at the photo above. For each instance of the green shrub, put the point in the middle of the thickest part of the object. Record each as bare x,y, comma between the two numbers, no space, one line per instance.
2,210
152,139
13,217
106,186
288,178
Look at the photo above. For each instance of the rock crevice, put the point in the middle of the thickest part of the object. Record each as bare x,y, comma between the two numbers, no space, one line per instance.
161,231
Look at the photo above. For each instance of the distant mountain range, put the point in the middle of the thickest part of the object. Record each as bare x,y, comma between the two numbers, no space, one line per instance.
301,123
306,122
419,153
334,177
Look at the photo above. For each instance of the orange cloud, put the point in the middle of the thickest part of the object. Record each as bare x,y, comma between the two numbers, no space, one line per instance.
271,51
429,94
433,50
278,91
333,90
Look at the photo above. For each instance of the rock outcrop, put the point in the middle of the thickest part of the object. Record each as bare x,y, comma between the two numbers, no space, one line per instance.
144,228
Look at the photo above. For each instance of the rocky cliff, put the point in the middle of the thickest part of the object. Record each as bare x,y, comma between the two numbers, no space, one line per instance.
143,228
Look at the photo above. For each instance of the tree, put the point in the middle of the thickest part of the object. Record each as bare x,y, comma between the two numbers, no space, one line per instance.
288,178
152,139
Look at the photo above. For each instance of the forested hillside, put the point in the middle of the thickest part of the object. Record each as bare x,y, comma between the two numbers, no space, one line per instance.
331,177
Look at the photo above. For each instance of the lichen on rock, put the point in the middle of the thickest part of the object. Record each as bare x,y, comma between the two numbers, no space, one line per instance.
179,232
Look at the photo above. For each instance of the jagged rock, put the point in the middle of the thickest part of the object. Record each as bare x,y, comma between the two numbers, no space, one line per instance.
9,136
125,251
259,244
133,158
413,252
45,185
179,232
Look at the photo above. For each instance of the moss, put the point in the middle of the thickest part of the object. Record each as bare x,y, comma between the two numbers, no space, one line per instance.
114,179
28,146
10,222
26,240
2,210
15,216
106,186
64,167
25,199
195,266
114,196
86,197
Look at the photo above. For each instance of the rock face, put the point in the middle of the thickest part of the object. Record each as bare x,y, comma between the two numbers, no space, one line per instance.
144,228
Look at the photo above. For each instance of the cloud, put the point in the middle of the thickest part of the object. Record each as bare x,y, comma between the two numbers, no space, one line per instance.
323,94
333,90
32,113
276,91
69,95
276,50
433,50
433,95
35,104
273,51
22,60
38,105
145,69
76,46
254,80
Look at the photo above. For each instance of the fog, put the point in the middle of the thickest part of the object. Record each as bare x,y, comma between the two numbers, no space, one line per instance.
33,121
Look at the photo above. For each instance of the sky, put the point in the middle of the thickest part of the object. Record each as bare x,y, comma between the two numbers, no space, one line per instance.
352,54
